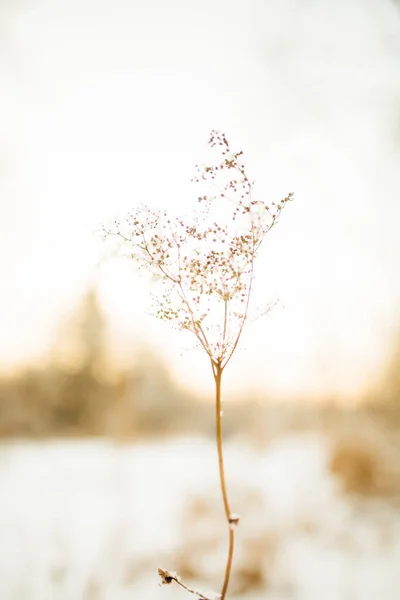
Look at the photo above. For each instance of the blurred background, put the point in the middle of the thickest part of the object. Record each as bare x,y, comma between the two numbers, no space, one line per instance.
107,462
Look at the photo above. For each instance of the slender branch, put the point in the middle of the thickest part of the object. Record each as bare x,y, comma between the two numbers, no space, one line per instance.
151,260
225,325
123,237
214,366
197,328
239,335
154,261
168,577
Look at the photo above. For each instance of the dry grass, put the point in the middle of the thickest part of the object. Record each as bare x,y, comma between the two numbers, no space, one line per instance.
359,464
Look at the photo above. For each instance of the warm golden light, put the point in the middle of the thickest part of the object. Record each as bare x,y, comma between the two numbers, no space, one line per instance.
105,126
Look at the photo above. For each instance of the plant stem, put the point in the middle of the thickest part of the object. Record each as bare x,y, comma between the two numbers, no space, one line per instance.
218,422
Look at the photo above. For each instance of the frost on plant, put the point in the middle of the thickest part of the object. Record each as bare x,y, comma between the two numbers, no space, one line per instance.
203,265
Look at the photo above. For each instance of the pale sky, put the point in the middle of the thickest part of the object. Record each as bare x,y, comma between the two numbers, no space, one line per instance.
108,104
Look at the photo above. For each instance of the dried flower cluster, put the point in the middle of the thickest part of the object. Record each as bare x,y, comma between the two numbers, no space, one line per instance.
205,262
205,266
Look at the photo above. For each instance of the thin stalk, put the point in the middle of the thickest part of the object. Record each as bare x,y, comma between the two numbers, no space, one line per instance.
218,422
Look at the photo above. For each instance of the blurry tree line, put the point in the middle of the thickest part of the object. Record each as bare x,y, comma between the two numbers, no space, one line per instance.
384,397
79,392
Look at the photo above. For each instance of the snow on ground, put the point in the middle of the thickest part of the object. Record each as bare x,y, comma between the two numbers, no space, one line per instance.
93,520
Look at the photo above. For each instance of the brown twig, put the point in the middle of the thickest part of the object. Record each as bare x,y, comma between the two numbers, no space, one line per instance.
168,577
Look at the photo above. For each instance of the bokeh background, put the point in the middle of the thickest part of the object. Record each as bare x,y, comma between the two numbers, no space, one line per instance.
107,463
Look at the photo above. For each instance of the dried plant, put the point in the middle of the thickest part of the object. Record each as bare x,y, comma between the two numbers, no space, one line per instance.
204,264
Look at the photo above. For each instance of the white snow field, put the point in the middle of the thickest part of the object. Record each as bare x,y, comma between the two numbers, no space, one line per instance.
93,520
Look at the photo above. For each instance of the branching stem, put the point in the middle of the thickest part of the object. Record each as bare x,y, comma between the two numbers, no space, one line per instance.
217,264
